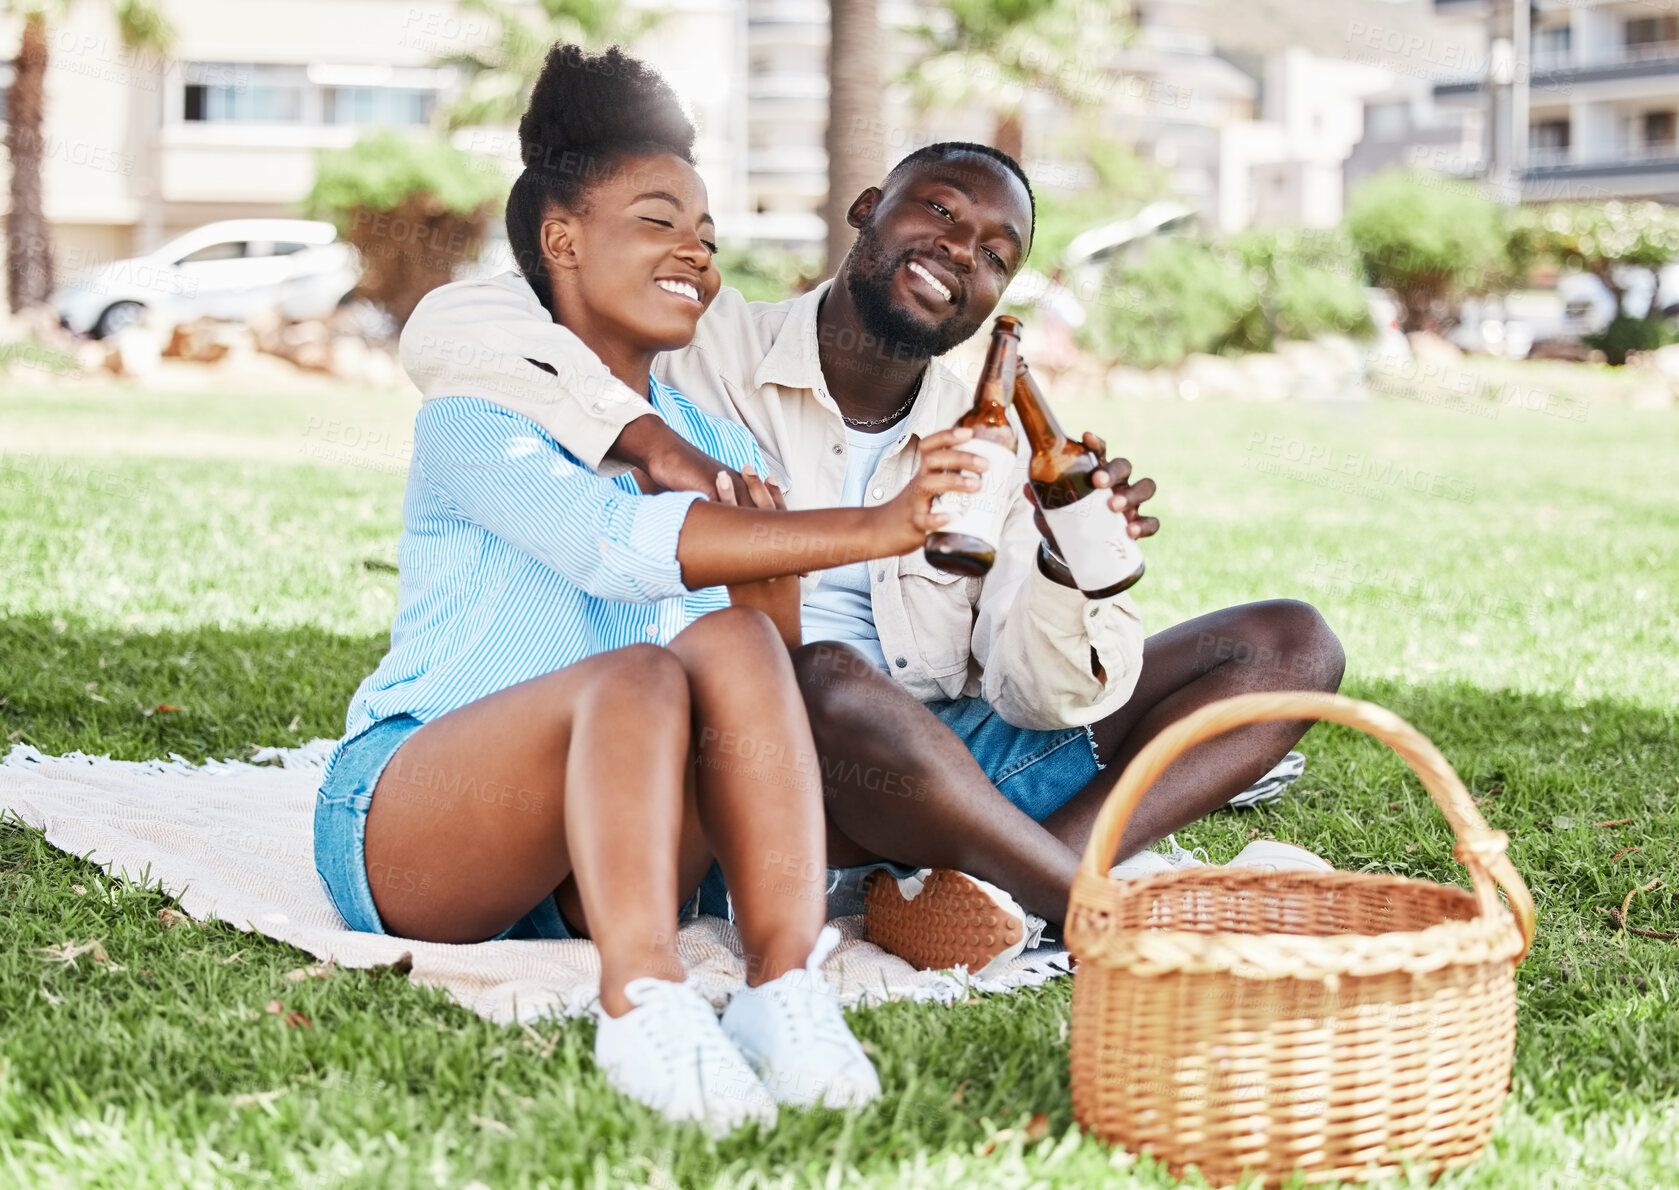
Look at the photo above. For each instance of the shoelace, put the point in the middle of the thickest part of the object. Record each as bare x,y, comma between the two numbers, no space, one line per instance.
1175,857
680,1021
812,1013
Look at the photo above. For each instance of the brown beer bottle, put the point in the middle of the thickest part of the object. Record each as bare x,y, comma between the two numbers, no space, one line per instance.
1088,536
968,542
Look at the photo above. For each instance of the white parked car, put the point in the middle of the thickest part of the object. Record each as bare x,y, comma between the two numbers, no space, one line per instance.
1589,306
232,270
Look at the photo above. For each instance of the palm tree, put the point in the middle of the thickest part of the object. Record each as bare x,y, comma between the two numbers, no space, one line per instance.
28,237
854,135
991,53
499,77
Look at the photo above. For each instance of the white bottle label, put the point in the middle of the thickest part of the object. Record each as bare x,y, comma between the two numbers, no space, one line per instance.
1093,541
980,514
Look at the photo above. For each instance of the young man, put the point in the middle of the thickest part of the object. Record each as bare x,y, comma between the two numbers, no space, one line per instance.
962,723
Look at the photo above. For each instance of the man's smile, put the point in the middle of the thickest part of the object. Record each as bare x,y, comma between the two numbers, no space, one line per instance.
946,286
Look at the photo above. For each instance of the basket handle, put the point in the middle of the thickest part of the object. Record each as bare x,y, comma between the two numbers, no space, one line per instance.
1479,848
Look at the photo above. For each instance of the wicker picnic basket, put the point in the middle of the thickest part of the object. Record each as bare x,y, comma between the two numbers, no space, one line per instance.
1338,1024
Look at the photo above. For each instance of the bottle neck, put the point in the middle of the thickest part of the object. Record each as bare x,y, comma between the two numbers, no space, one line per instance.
992,394
1036,417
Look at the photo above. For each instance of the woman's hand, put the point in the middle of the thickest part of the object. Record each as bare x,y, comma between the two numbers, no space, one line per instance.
909,515
777,598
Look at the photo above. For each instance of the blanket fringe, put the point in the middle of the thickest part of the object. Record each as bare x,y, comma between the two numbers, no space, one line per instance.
312,755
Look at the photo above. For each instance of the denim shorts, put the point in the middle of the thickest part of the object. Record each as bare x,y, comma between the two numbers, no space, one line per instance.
341,833
1038,771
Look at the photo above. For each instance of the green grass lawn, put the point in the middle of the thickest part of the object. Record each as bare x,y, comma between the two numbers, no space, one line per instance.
1508,584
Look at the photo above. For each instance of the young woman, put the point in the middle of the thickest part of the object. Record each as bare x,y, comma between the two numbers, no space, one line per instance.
575,715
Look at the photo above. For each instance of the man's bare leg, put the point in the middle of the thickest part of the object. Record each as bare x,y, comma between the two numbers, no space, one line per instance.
900,785
1280,644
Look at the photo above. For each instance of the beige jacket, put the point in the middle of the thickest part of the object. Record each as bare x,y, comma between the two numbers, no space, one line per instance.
1020,641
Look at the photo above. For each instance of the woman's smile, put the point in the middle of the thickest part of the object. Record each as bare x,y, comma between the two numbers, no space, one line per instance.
687,290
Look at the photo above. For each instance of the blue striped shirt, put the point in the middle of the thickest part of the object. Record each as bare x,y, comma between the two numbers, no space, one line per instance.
518,560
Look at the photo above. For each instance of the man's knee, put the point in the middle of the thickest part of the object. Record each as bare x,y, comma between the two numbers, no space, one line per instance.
1303,644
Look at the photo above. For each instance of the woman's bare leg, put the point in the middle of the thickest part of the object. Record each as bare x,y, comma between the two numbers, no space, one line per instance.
484,811
758,787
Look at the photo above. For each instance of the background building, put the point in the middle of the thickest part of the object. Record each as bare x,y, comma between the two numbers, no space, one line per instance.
1251,123
1573,99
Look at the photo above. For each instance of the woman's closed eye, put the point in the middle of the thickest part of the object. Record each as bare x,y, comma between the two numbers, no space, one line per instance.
709,246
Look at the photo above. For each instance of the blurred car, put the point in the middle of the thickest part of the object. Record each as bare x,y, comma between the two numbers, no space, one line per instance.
1078,278
1089,252
232,270
1588,305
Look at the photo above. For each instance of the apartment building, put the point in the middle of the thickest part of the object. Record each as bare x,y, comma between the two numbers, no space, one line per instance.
1578,98
141,146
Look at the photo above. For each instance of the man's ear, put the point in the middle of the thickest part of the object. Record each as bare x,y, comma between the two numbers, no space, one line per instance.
555,239
863,206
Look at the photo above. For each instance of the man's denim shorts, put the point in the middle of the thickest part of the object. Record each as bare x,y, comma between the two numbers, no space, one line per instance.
1038,771
341,834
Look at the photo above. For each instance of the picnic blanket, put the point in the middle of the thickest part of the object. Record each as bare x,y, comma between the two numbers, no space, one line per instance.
231,840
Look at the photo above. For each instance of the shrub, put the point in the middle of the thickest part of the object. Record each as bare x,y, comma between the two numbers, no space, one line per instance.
764,274
1188,295
1180,296
1310,283
1626,334
415,208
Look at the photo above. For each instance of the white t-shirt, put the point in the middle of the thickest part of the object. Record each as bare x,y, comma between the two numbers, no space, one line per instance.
842,609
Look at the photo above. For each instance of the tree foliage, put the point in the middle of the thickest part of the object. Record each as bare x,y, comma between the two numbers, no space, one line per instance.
1601,238
499,75
992,53
1430,240
1607,240
414,208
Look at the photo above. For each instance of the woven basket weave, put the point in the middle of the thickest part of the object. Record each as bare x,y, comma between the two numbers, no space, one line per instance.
1337,1024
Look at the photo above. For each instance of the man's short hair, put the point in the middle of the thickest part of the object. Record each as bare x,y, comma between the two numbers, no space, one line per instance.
946,149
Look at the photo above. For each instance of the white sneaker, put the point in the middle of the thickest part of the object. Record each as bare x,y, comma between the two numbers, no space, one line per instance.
670,1053
792,1032
940,918
1274,856
1270,787
1150,863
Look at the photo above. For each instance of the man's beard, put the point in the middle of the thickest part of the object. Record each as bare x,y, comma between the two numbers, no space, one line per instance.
869,271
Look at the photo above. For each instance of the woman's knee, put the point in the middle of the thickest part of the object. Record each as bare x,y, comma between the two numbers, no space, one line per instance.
649,675
732,644
730,629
